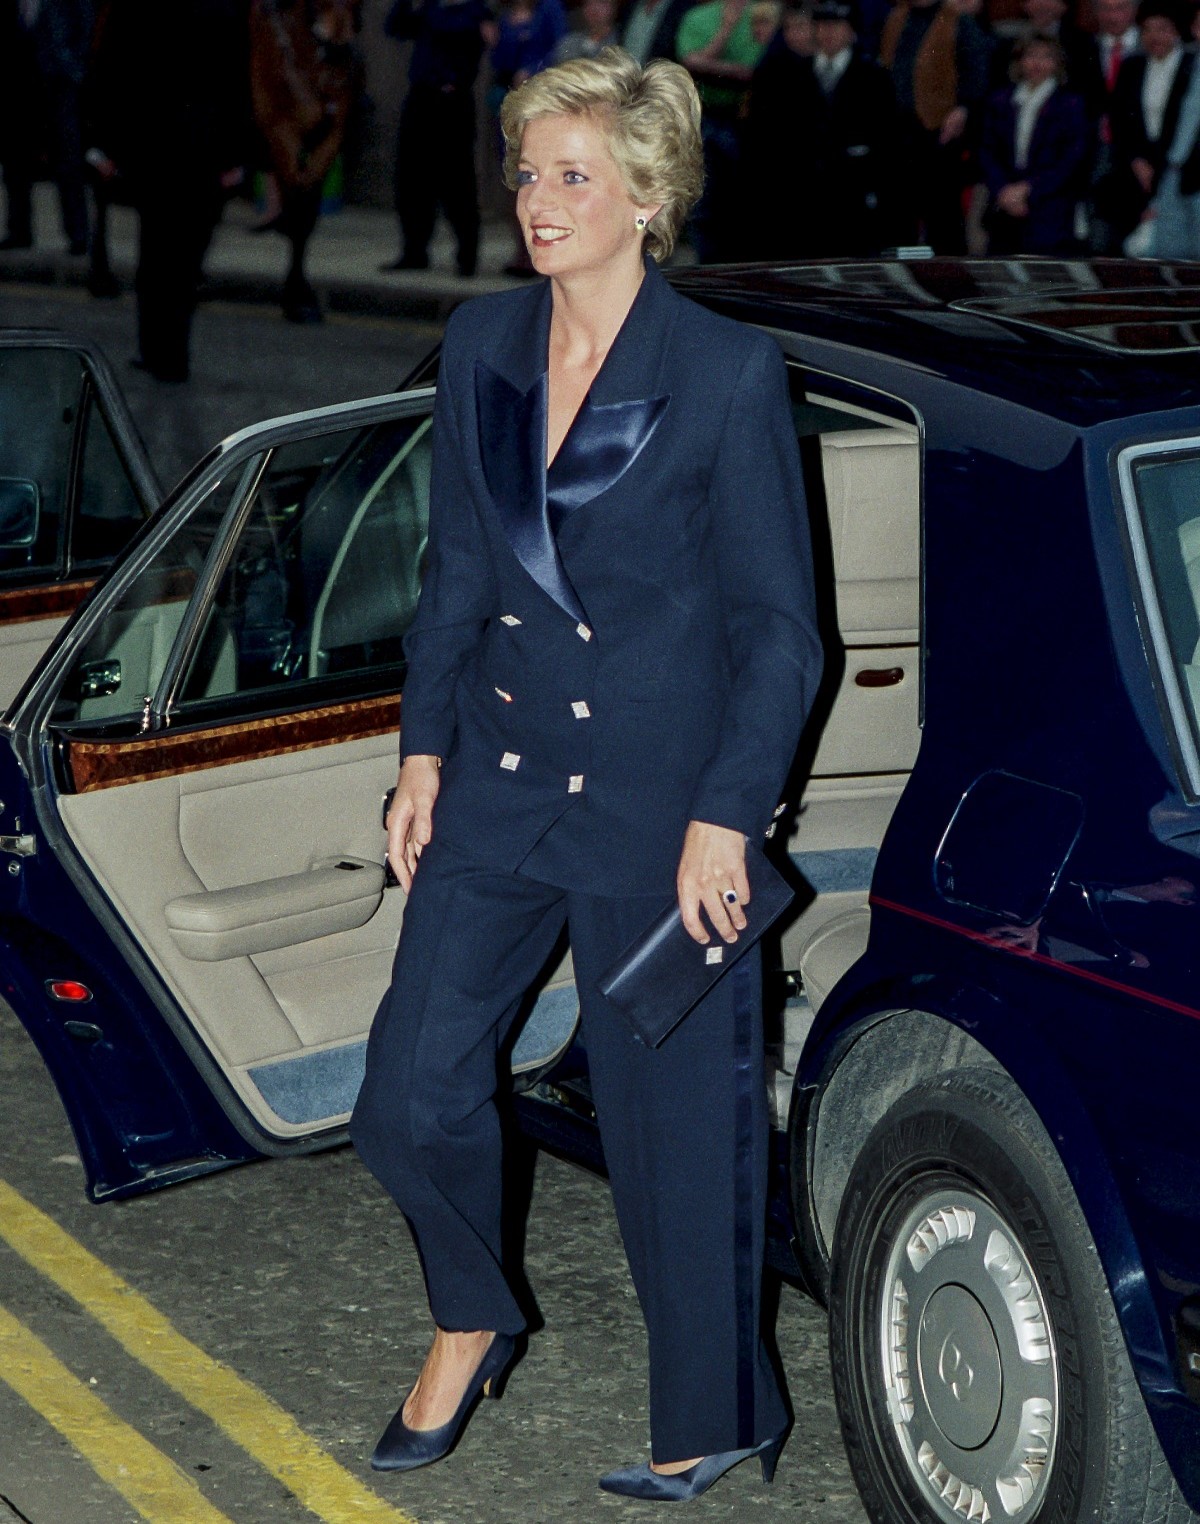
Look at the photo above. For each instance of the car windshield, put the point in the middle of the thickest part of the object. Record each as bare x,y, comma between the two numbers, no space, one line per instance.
1164,512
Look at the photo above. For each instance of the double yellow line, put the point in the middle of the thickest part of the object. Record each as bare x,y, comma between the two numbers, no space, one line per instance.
158,1489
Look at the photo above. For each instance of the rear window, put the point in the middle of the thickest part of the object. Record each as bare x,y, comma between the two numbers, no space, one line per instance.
1162,497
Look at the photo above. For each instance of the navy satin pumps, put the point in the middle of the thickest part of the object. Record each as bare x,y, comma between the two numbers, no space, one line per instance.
403,1449
642,1482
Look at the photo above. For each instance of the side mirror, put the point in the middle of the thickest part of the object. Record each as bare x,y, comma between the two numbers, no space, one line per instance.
20,513
1007,845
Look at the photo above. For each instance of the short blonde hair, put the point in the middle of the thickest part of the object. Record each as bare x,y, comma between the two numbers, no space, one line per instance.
651,118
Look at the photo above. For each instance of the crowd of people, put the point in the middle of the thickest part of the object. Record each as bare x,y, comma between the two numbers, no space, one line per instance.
831,127
845,127
170,107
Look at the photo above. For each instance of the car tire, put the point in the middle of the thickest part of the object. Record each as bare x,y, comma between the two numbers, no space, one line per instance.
979,1367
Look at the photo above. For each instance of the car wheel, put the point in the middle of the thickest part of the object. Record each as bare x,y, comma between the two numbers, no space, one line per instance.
979,1367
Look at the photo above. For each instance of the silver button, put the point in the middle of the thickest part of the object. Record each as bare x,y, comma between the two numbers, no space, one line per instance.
779,809
580,710
509,761
507,697
583,632
509,619
715,955
575,784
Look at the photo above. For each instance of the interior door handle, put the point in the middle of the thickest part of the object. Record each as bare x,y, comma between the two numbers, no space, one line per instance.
879,677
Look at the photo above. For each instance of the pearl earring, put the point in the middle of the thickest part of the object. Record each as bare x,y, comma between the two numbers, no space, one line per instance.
639,223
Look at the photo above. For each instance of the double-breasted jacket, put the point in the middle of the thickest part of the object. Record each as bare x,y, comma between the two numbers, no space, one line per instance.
625,642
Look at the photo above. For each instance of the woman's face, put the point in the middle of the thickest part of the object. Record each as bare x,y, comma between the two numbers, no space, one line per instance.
574,210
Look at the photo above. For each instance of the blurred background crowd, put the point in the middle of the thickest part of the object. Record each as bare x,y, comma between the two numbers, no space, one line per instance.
831,127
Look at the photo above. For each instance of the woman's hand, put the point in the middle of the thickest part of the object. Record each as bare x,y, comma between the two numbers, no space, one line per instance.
713,861
410,819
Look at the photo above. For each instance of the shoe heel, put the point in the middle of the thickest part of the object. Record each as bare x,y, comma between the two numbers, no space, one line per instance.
769,1459
494,1386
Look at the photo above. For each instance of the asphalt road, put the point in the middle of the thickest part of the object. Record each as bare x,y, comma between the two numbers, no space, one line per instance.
232,1350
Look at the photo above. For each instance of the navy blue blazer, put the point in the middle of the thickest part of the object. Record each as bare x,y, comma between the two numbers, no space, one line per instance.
606,651
1059,150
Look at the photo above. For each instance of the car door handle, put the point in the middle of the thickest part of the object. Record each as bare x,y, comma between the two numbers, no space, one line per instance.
879,677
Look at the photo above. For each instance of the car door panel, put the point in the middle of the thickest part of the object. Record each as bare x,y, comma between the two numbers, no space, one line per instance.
289,814
23,643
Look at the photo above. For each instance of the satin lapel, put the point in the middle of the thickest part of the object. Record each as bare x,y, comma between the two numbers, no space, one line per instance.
604,441
624,408
512,443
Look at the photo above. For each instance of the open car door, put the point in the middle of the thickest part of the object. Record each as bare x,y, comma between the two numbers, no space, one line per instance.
75,484
194,908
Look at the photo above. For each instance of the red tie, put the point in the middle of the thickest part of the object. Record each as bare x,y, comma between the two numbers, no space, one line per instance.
1114,66
1110,84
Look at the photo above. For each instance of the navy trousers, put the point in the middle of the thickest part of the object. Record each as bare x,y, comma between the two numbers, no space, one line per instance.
684,1129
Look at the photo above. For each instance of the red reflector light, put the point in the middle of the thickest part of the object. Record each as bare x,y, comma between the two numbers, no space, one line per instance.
68,989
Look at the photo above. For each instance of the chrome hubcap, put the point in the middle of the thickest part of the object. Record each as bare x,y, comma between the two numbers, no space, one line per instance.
969,1365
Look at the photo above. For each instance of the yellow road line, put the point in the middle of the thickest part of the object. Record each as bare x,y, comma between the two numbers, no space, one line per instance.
144,1476
251,1419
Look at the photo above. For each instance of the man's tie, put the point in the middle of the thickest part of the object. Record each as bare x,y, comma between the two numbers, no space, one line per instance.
1114,65
1115,52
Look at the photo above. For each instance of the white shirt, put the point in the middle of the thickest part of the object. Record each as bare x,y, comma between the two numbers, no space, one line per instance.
1156,87
1129,40
1029,103
830,70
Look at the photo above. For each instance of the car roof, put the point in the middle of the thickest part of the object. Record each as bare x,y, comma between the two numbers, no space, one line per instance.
1087,341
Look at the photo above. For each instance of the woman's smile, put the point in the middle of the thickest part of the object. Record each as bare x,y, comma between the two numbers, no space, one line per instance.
566,167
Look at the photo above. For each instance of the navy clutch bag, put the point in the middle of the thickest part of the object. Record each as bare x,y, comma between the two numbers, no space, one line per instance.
659,977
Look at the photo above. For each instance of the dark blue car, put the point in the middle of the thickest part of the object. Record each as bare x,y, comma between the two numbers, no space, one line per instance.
985,1047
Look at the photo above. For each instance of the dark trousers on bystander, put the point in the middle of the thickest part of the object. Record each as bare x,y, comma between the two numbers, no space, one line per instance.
177,219
435,166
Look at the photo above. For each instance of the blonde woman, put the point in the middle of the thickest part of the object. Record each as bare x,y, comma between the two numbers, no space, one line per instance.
612,661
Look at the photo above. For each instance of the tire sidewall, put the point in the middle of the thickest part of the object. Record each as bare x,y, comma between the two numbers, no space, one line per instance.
958,1133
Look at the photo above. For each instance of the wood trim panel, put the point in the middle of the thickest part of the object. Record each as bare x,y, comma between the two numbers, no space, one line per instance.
22,605
105,764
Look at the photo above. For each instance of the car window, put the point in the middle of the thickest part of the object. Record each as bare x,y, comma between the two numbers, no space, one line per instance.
108,509
1164,517
322,579
120,666
42,388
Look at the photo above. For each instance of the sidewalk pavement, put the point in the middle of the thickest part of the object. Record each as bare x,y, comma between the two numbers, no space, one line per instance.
343,261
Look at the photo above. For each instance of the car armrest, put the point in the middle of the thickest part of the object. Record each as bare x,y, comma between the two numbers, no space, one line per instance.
275,912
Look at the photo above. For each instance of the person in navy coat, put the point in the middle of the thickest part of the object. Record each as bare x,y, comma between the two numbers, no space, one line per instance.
1034,154
612,661
1150,90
